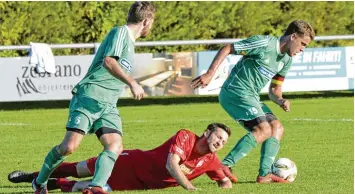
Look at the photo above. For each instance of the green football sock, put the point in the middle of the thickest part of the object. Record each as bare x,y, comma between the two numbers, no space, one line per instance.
52,160
269,150
103,168
241,149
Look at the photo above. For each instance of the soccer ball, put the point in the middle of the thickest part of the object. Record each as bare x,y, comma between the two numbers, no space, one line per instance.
285,168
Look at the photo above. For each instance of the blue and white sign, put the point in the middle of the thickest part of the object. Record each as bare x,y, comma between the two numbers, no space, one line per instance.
316,69
318,63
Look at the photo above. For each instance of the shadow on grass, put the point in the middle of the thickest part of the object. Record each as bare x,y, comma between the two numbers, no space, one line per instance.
235,184
246,182
168,100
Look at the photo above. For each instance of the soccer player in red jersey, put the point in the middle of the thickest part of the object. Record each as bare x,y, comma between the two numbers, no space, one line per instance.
180,159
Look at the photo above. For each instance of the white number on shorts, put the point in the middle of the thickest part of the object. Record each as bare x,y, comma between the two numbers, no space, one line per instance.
77,120
252,111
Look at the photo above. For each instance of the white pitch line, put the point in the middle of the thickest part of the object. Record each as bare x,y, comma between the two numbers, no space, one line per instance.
323,120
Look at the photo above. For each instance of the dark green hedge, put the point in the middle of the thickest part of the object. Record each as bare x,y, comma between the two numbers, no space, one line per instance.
88,22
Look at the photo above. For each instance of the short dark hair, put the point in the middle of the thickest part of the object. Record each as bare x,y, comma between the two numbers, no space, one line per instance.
213,127
139,11
300,27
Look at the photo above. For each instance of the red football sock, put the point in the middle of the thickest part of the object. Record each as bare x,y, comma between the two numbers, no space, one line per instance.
65,185
35,174
65,169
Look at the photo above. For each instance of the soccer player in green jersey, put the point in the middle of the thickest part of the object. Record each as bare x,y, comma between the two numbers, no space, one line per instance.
265,58
93,106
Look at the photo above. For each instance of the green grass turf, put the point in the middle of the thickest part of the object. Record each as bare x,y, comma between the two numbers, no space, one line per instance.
319,138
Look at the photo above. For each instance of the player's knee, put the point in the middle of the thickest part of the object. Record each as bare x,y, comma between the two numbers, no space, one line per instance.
112,142
266,131
277,129
119,148
67,149
262,132
115,147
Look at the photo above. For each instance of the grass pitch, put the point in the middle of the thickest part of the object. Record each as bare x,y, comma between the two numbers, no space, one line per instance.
319,138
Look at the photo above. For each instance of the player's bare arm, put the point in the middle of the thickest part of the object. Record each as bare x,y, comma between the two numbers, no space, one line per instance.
204,79
173,167
275,94
115,69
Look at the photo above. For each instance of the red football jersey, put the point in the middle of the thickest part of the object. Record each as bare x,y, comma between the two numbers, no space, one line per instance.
150,165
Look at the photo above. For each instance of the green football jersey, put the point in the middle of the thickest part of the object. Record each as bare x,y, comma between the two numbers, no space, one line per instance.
261,60
98,83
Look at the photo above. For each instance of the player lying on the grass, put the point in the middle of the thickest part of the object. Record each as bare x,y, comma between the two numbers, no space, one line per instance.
180,159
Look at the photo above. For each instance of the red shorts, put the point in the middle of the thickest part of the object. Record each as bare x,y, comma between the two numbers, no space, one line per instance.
123,175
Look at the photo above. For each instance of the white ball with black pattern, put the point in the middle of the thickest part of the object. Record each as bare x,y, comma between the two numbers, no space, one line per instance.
285,168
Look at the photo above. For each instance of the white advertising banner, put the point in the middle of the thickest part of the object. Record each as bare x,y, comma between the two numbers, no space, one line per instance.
20,82
316,69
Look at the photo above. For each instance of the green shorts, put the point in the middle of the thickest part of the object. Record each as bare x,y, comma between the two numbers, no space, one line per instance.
242,108
88,115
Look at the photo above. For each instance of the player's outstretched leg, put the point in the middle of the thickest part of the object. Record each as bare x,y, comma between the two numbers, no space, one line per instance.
65,169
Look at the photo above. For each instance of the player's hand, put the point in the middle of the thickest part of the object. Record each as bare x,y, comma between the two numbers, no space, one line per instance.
229,174
202,80
137,91
284,104
225,184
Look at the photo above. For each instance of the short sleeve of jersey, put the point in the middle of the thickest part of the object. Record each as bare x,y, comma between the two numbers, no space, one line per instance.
251,46
181,144
285,69
115,44
215,172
